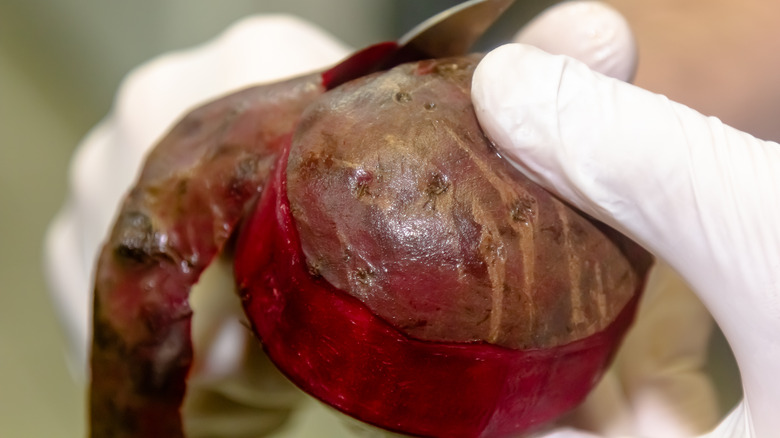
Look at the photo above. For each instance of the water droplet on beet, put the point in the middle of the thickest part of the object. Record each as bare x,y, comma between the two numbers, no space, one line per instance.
402,97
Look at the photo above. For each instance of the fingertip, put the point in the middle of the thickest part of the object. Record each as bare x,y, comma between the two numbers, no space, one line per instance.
566,433
286,46
255,50
68,287
590,31
514,91
569,129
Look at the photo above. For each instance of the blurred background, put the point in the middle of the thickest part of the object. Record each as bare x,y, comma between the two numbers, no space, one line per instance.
62,60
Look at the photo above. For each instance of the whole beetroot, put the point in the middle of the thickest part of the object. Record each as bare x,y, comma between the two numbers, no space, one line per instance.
403,272
395,266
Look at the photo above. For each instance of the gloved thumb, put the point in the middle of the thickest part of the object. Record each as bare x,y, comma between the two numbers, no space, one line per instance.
695,192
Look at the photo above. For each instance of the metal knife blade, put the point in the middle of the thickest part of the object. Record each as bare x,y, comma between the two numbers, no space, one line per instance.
453,31
448,33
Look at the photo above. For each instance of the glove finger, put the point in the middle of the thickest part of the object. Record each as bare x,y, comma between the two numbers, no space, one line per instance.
657,385
698,194
567,433
590,31
662,364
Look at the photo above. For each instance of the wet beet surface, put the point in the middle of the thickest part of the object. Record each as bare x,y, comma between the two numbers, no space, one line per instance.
334,348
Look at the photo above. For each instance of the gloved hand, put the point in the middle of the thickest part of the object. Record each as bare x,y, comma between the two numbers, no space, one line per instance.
700,195
233,390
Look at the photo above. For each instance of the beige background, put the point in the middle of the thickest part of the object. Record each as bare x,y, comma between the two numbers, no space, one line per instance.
60,61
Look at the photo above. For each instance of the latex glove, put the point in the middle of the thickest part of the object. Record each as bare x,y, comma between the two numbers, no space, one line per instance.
658,385
698,194
234,391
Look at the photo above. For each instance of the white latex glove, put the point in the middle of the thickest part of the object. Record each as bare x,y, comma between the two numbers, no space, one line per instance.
701,196
233,389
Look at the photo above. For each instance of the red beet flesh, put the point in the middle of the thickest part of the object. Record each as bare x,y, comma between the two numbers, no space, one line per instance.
358,64
335,348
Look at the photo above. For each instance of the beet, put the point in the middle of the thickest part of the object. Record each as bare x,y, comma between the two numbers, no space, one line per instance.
401,271
195,187
403,203
396,267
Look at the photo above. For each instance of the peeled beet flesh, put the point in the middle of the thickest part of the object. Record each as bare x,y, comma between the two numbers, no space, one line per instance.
394,267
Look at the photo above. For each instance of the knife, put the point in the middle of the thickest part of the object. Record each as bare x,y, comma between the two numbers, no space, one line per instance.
449,33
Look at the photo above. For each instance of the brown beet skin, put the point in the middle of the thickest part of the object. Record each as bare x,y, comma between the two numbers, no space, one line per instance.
402,202
195,187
